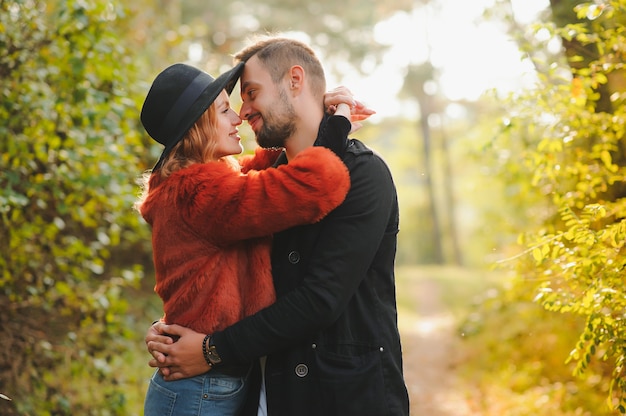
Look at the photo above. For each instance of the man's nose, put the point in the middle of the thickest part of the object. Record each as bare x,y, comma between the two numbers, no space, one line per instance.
244,111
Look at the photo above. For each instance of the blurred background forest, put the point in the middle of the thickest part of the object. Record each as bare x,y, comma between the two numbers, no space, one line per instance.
508,150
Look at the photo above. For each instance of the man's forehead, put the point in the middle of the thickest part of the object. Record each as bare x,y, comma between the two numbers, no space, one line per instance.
254,72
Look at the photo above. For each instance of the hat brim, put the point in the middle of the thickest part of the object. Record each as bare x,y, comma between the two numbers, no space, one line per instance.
225,81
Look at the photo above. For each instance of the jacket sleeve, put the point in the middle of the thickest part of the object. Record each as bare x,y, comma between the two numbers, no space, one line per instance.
348,241
225,206
334,134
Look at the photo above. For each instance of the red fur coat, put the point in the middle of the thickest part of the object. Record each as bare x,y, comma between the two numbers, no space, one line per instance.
211,227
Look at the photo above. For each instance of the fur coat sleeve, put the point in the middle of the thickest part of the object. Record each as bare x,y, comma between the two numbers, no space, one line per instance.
262,159
225,206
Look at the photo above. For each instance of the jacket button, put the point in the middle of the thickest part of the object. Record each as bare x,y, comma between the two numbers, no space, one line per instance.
294,257
302,370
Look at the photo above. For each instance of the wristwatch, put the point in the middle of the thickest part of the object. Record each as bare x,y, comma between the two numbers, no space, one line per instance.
210,352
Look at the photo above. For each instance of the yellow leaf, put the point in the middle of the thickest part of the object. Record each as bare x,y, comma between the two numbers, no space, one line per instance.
606,158
537,255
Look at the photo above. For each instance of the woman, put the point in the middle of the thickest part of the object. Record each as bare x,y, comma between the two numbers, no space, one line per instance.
212,219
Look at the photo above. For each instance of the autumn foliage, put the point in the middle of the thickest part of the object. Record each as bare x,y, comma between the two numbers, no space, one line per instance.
567,136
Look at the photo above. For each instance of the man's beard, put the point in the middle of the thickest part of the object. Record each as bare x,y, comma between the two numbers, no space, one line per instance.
278,125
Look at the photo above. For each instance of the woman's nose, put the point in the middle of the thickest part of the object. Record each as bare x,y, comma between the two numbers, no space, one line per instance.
236,119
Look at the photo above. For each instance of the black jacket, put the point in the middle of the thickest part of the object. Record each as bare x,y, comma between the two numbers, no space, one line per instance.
331,338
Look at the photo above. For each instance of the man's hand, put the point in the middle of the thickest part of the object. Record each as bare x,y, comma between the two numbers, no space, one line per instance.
176,359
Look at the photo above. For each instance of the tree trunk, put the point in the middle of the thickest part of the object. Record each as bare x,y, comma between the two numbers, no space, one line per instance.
424,102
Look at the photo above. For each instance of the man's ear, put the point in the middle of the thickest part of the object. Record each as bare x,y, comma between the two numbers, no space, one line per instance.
296,77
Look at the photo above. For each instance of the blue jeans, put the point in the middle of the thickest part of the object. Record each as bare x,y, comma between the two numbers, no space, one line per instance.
211,393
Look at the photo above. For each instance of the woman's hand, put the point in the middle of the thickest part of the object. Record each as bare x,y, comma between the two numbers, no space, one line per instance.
176,351
342,95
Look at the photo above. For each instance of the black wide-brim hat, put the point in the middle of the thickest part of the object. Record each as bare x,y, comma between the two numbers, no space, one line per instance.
179,95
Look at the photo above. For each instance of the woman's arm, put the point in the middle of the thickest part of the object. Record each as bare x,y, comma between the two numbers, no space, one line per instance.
227,206
358,110
345,113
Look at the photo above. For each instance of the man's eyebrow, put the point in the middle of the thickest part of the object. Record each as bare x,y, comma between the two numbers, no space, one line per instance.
247,84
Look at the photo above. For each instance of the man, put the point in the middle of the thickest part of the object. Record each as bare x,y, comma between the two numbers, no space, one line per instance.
331,339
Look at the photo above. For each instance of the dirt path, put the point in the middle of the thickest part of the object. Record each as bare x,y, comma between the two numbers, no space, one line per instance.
428,344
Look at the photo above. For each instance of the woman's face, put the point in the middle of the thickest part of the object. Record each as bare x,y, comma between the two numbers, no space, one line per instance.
228,141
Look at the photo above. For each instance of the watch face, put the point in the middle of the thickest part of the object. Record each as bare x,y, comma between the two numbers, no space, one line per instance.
213,355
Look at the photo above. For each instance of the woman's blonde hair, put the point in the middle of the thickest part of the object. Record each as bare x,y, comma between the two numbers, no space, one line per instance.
197,146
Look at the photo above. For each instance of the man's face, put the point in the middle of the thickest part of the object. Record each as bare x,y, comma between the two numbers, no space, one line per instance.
266,106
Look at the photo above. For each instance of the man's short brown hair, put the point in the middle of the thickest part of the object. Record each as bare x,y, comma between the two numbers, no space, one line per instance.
278,54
